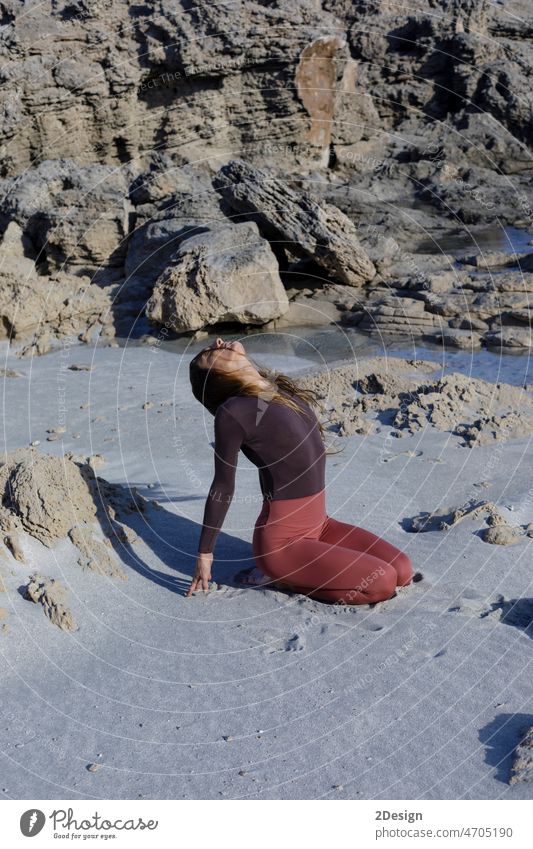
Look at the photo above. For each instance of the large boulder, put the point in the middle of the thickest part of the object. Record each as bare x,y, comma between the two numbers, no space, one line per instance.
77,218
229,274
43,309
40,308
152,249
172,204
305,228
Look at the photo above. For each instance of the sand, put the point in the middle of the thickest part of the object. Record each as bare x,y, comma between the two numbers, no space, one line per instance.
477,410
50,595
44,495
251,692
522,768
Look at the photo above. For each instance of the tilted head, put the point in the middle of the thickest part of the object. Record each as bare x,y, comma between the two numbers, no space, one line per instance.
223,370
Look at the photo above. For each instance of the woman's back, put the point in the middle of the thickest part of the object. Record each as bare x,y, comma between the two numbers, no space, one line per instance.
284,444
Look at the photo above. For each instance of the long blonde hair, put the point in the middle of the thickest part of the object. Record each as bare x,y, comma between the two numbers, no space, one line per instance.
211,387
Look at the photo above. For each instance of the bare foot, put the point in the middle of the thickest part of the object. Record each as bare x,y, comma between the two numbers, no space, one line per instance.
251,578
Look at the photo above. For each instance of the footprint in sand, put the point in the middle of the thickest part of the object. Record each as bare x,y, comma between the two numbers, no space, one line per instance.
410,454
329,629
469,602
371,626
516,611
295,643
273,641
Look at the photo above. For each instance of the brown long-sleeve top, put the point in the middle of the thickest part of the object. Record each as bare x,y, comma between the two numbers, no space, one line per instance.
285,445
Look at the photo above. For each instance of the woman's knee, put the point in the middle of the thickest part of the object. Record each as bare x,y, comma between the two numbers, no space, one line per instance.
403,565
378,585
383,584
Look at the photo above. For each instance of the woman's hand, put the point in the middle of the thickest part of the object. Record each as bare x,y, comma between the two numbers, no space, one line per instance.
202,574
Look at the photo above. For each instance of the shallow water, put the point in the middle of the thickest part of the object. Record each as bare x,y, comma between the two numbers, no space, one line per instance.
470,240
293,349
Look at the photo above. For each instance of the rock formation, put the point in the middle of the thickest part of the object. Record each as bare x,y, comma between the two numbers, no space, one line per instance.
39,308
522,765
380,129
225,275
51,498
295,222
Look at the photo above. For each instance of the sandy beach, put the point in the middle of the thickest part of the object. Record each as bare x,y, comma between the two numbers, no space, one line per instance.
250,692
337,192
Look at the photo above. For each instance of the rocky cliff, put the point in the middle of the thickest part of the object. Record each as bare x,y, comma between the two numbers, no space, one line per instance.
402,121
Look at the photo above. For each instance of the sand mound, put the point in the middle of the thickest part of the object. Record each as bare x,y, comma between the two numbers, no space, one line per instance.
406,395
51,498
522,767
499,532
50,594
94,554
46,495
447,517
502,535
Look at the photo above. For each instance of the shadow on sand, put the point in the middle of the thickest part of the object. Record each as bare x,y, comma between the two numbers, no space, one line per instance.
501,737
172,538
517,612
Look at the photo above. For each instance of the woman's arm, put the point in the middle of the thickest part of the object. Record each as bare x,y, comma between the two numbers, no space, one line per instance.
229,436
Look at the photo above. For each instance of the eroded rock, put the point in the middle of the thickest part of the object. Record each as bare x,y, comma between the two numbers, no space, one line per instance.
50,498
229,274
302,226
522,766
76,217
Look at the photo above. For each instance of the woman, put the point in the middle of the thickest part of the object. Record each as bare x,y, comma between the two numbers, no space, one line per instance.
295,542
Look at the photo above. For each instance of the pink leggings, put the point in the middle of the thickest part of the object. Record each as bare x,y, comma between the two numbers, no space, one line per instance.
298,545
